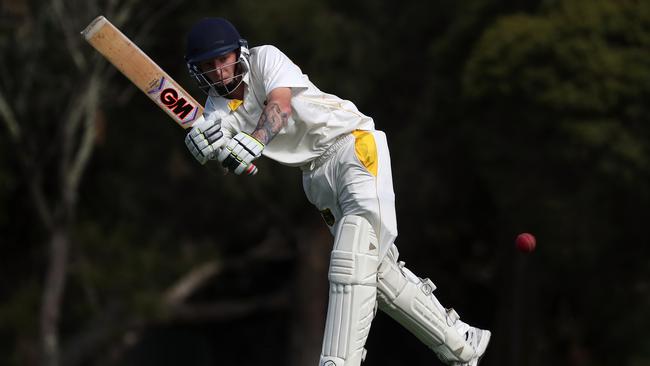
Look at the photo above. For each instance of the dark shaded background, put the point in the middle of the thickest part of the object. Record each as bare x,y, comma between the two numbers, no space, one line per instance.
502,117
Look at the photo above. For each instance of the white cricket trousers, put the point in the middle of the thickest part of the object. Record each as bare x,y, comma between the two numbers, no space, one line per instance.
353,177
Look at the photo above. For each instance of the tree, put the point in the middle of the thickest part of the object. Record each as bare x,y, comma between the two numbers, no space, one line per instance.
50,106
559,101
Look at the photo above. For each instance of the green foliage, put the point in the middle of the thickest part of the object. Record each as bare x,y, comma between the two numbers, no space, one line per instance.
559,129
583,61
579,72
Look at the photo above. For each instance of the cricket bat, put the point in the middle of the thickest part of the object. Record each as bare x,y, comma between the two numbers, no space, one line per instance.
133,63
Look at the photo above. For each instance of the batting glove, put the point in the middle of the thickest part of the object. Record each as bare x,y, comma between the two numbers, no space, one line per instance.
238,154
205,139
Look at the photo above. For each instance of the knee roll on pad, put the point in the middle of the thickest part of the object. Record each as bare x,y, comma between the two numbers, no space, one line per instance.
354,260
410,301
353,290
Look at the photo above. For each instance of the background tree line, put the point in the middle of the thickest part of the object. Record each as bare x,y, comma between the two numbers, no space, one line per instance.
502,117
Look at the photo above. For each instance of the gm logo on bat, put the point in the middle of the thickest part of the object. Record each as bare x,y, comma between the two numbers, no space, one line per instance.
168,96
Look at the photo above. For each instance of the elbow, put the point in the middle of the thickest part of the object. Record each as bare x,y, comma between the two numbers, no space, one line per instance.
279,107
286,110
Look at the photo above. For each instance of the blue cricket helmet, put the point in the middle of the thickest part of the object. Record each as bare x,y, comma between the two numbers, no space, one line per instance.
210,38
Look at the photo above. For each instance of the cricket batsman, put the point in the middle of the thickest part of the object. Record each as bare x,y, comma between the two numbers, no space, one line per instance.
260,103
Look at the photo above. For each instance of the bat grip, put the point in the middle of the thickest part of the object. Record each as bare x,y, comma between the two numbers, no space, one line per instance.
251,170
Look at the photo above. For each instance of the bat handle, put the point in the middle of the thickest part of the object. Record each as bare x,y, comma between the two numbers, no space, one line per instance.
251,170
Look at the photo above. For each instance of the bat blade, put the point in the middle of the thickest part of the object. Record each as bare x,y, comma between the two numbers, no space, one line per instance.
133,63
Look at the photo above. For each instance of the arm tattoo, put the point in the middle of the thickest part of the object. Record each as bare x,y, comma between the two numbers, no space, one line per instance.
271,122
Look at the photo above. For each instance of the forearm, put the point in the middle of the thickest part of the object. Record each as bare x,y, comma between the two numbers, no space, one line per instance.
273,118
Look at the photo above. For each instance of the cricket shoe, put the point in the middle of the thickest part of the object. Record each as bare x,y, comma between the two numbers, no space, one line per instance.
478,339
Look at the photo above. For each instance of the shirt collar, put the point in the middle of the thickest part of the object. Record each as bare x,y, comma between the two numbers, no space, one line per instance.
246,77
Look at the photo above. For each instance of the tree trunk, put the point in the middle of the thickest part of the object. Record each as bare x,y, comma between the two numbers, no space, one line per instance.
311,291
54,285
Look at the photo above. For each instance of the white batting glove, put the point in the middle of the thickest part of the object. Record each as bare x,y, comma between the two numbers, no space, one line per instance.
205,138
238,154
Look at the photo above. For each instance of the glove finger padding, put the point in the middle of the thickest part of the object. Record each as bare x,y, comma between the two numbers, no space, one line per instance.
251,144
194,150
238,154
230,161
213,133
205,138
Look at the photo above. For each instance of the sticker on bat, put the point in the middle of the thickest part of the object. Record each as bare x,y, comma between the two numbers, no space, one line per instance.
166,94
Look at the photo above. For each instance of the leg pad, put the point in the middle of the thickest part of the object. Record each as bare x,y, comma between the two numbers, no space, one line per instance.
353,290
410,301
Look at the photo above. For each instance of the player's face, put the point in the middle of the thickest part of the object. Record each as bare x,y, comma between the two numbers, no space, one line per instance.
221,70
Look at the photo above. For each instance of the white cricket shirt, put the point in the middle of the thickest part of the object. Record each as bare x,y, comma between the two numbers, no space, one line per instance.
317,118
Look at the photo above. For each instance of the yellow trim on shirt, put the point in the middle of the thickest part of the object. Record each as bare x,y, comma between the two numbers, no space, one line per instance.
234,104
366,150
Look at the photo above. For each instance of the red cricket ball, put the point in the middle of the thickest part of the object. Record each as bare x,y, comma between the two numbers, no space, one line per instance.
525,242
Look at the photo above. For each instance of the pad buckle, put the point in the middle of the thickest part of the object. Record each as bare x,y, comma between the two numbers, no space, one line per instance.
427,286
452,317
